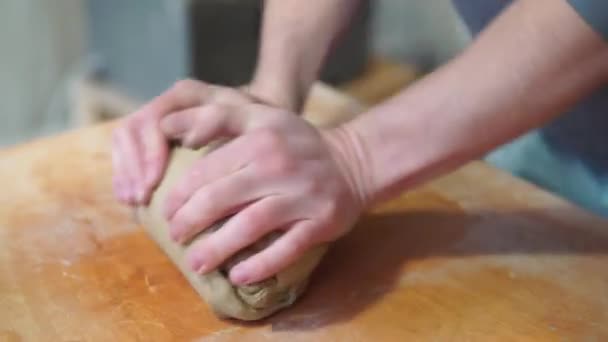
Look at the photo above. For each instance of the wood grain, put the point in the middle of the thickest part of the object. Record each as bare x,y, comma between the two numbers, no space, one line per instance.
474,256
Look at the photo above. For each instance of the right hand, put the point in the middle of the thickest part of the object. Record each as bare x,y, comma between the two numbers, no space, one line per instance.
139,148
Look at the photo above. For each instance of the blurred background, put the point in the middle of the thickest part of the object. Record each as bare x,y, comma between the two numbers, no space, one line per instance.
140,47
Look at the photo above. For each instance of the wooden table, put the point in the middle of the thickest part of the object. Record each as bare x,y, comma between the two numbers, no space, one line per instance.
477,255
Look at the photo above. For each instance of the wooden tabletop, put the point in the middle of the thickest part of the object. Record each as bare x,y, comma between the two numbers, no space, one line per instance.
476,255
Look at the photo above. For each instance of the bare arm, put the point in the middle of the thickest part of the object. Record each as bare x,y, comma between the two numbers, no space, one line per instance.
296,37
537,59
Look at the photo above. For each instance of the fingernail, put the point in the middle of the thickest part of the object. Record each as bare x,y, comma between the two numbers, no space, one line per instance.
198,265
202,268
239,276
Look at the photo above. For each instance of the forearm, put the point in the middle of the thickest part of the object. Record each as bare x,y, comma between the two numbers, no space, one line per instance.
537,59
296,38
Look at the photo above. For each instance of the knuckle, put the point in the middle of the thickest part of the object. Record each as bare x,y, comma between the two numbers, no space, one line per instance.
271,151
279,165
312,186
248,234
254,220
230,95
185,220
191,139
268,140
192,213
204,203
329,211
210,211
185,85
189,226
299,244
214,109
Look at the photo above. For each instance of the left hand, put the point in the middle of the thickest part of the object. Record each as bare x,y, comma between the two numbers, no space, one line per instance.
278,173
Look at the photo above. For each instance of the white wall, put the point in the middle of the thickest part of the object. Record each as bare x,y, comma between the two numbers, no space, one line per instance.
41,44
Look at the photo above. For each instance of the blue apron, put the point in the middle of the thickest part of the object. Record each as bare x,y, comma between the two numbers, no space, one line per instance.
569,156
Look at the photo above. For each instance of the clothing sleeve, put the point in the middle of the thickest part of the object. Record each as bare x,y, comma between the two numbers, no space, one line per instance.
594,12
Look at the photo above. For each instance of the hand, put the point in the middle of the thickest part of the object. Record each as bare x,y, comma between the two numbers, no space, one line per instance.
277,173
140,150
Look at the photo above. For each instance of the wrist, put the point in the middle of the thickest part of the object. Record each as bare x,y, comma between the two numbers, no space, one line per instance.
351,156
280,92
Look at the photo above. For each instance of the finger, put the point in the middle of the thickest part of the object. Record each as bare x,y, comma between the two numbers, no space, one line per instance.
210,204
280,254
131,163
219,163
183,94
118,171
241,231
222,98
155,155
122,176
196,127
176,125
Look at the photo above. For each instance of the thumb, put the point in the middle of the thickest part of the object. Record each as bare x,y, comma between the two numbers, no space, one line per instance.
196,127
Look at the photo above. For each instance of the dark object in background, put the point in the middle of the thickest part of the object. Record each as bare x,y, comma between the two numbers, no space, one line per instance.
142,47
